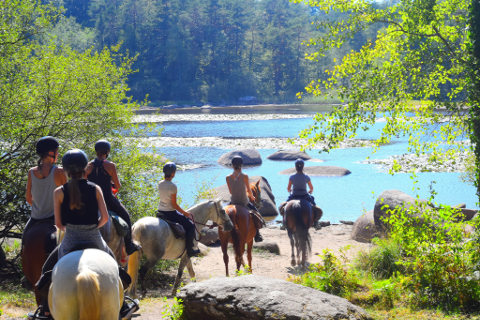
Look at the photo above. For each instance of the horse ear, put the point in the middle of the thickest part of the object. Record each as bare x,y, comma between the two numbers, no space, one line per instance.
258,183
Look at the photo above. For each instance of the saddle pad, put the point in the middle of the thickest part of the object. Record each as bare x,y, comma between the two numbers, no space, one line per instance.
120,225
177,228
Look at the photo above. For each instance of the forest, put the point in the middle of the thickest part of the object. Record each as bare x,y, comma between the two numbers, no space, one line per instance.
199,52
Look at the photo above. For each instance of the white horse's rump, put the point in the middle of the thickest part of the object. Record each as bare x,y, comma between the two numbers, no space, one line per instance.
158,241
86,285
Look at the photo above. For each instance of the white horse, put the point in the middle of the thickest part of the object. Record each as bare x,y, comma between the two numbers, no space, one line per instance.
158,242
85,285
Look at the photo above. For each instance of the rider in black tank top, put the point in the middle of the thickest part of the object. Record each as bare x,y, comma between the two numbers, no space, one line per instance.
97,173
86,215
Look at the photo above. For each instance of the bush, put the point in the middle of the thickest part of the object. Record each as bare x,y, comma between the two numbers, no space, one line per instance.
382,261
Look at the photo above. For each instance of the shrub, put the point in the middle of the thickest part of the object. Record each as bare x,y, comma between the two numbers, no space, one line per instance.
383,261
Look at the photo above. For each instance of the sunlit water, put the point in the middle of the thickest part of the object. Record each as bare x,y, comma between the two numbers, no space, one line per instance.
199,143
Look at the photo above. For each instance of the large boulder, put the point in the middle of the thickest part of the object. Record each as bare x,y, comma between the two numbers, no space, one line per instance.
254,297
289,155
209,236
364,229
251,157
325,171
391,199
267,208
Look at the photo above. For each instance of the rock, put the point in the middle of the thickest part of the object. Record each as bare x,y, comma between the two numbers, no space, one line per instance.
391,199
209,236
364,229
323,224
269,246
268,208
289,155
251,157
326,171
468,213
253,297
350,223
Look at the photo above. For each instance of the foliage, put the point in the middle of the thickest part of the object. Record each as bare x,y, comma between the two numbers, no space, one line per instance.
330,276
418,53
173,311
382,261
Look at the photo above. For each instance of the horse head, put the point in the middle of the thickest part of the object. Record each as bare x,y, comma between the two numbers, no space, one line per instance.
223,217
257,193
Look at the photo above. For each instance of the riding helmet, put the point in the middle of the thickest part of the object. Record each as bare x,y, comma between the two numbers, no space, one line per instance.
169,168
237,161
299,164
74,160
102,146
46,144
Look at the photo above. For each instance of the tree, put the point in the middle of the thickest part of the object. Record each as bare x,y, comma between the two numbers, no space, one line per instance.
50,90
418,55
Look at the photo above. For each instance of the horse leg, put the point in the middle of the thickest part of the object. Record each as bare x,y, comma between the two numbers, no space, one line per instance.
142,274
191,272
183,262
224,245
249,255
292,244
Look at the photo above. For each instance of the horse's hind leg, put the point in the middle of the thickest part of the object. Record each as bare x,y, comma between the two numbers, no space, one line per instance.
292,244
183,262
249,255
143,272
224,244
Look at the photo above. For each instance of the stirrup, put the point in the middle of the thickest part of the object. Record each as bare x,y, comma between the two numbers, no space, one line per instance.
129,308
38,315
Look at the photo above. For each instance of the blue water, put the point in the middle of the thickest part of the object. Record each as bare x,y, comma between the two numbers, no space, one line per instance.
341,198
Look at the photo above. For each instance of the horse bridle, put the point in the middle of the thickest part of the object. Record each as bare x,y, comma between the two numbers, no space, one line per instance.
213,225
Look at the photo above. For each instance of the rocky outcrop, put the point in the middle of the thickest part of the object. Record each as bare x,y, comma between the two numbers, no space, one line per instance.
267,208
253,297
251,157
364,229
268,246
209,236
288,155
325,171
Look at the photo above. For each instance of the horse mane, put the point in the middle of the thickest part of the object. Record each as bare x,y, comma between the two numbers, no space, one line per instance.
88,294
196,207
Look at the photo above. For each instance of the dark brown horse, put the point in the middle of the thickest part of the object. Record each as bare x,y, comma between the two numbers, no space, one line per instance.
298,217
37,243
244,230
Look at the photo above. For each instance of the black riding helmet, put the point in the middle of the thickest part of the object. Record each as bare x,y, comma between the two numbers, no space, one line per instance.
102,146
74,161
169,168
237,161
46,144
299,164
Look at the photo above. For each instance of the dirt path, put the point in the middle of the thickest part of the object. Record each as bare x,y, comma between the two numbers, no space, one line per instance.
334,237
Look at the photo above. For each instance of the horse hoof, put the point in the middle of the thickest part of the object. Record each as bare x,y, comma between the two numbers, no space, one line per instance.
293,263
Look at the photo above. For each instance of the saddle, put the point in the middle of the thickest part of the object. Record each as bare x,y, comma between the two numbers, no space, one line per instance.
177,229
120,225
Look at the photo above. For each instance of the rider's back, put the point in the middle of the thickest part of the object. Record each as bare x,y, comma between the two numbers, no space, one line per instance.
42,191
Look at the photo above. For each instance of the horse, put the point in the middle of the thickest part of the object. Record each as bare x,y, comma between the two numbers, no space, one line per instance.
159,242
114,240
243,232
86,285
37,243
298,217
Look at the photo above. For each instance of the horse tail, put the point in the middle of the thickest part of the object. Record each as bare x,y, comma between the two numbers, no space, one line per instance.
302,228
88,294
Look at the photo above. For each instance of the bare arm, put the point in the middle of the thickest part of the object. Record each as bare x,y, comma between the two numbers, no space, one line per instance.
102,207
228,185
310,186
28,191
289,188
89,168
57,202
112,171
177,207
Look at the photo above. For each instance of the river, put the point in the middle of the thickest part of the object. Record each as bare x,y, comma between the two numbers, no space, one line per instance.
196,137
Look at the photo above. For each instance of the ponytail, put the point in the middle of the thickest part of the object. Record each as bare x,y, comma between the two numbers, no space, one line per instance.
74,191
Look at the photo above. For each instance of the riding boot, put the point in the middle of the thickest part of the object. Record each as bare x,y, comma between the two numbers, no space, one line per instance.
191,250
130,246
258,236
124,277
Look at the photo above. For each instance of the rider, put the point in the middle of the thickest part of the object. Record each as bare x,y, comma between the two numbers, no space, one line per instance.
41,182
299,182
77,205
241,194
169,208
104,174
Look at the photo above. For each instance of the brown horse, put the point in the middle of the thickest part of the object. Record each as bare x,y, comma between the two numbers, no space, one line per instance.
298,217
244,230
37,243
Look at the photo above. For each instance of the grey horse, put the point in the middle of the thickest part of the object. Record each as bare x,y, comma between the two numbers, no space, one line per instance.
158,242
